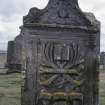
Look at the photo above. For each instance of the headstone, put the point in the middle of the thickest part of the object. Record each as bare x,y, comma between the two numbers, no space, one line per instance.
10,53
3,57
102,60
62,49
12,64
18,42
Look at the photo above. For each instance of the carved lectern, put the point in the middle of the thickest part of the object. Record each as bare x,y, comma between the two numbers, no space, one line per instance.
61,46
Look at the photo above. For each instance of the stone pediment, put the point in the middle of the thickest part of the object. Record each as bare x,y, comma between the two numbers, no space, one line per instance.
61,12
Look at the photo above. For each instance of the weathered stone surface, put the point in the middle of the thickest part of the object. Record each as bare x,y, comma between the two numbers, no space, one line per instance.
61,45
10,52
3,61
14,55
3,58
102,60
18,50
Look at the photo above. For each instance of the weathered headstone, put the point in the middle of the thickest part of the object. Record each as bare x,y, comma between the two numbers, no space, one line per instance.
18,43
62,47
13,63
10,53
3,58
102,60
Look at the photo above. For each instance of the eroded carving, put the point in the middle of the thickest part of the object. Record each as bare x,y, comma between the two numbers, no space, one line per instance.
61,79
66,12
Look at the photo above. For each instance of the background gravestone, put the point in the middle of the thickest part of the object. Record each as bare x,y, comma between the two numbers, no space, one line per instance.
14,55
102,60
62,46
3,58
10,54
18,52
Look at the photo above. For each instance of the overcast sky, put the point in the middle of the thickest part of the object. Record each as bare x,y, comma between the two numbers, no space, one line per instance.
12,11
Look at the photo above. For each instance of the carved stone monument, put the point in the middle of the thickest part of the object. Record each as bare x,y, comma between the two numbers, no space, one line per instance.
62,47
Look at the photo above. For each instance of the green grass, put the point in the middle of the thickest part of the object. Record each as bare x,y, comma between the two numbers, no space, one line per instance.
10,89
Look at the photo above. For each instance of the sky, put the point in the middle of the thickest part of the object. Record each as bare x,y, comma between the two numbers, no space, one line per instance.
12,12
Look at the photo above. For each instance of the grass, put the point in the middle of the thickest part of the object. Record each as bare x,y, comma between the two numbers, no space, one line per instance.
10,89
